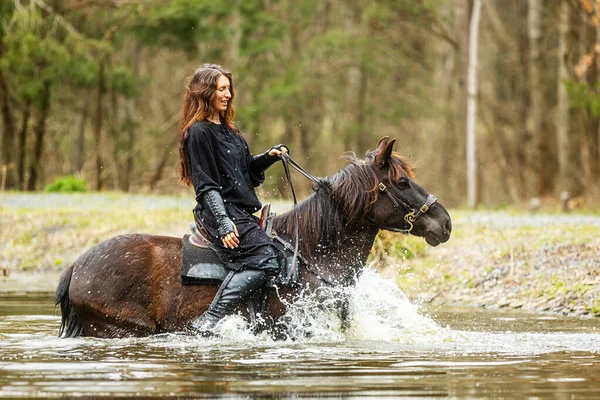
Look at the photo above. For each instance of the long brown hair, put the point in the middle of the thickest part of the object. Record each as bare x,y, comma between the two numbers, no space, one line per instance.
198,106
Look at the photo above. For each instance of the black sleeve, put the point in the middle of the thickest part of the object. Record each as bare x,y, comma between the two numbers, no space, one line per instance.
257,164
262,162
203,165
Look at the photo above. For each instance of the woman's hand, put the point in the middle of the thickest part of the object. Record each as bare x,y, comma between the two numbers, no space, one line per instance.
277,150
231,240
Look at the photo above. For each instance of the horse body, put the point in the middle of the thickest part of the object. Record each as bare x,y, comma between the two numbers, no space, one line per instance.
130,285
136,290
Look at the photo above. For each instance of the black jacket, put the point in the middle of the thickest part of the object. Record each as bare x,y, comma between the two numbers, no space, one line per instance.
221,160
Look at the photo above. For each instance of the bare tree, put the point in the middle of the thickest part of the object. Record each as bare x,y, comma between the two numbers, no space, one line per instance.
536,97
22,144
472,106
562,115
101,90
8,133
40,136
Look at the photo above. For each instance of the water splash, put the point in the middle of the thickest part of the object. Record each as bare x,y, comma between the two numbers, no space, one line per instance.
381,314
381,311
378,311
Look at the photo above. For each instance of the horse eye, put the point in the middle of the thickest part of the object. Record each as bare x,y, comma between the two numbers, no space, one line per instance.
403,185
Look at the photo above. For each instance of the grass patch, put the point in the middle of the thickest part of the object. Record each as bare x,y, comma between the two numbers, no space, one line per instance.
51,239
390,248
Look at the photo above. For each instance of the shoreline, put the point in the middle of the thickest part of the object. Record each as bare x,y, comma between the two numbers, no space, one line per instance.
536,263
545,263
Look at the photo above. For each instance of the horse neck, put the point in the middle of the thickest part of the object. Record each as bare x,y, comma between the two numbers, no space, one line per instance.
330,244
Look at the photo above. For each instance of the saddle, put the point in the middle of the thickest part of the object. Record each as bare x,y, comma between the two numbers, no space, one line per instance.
200,264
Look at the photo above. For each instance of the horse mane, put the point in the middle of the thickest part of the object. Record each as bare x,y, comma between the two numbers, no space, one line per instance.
338,202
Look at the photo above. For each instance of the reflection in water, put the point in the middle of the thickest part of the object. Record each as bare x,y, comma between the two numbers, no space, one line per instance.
390,349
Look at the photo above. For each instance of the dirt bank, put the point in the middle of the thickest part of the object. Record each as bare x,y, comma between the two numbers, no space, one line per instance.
544,263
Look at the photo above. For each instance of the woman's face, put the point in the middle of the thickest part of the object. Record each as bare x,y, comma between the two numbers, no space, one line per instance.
223,94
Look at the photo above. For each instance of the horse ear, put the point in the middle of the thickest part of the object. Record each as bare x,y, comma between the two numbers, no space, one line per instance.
383,156
382,142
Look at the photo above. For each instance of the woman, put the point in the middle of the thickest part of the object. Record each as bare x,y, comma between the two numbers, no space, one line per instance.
216,160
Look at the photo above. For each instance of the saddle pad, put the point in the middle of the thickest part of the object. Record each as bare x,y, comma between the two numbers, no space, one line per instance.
201,266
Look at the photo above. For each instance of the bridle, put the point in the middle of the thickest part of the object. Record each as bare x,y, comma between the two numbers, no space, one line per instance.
411,215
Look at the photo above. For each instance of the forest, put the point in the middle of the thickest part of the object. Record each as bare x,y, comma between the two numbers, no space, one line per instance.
93,89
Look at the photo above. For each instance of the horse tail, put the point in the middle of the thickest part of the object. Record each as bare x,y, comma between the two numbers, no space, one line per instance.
69,325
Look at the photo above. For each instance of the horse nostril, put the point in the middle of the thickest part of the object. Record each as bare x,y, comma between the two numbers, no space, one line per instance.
448,227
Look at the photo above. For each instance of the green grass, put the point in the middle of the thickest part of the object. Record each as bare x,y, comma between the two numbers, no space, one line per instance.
51,239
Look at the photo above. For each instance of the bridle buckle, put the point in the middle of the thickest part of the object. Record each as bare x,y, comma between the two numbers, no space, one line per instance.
382,187
410,216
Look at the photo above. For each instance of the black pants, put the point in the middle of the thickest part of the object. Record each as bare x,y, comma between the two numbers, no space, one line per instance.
255,251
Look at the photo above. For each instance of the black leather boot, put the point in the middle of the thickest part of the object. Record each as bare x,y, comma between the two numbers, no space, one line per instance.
240,287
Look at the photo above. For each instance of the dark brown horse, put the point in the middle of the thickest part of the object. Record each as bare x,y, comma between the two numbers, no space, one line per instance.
130,285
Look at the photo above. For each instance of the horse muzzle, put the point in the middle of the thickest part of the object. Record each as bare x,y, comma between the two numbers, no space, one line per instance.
439,233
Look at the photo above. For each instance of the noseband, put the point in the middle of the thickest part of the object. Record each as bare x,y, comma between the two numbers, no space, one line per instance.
412,215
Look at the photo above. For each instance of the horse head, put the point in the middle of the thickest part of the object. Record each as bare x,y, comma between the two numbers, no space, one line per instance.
400,204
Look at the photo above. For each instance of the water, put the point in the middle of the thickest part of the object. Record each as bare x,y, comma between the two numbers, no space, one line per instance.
392,349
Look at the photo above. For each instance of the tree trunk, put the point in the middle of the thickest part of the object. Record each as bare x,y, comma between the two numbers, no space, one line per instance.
448,141
132,127
162,163
562,114
577,125
98,123
8,135
594,132
453,148
159,169
352,24
80,146
471,149
129,161
463,15
536,97
365,138
40,133
22,145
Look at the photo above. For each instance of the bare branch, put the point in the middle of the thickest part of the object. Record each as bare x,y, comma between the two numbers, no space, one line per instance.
57,18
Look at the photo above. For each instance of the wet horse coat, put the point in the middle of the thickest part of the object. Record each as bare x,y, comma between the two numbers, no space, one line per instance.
130,285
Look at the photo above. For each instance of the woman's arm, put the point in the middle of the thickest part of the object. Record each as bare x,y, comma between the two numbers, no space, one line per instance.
203,164
203,167
260,163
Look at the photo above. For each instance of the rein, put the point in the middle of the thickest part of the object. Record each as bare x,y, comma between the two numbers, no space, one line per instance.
293,272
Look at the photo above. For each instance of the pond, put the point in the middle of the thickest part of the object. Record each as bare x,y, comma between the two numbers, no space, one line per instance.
392,349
